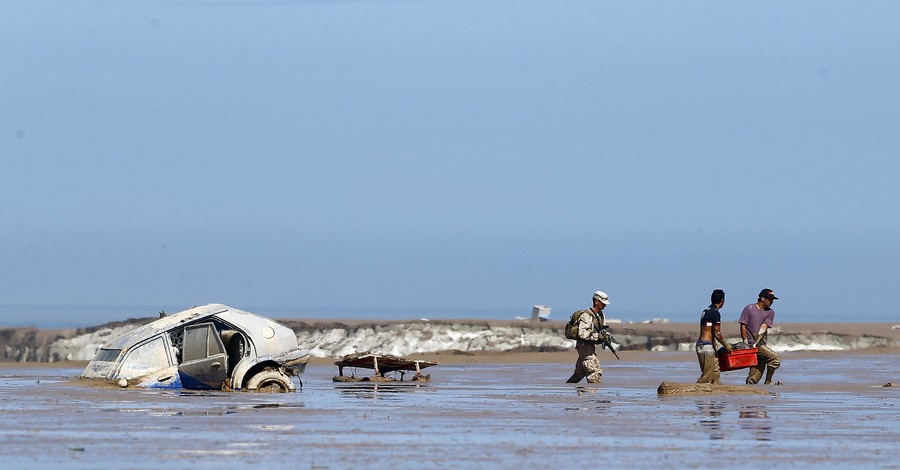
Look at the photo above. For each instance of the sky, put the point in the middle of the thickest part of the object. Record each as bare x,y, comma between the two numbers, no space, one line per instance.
448,159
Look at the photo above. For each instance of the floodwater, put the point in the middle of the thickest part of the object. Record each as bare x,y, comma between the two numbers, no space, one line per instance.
831,412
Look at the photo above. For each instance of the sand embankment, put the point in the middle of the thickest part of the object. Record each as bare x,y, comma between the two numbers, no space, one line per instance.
460,340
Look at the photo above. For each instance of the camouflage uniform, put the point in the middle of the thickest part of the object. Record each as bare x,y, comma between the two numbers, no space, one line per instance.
588,364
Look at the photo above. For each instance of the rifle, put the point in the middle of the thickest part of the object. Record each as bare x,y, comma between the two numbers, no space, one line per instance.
606,340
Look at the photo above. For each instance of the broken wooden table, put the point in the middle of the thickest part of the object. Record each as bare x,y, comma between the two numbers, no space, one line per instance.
381,364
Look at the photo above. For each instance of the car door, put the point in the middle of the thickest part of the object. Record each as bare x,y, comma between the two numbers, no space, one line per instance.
204,362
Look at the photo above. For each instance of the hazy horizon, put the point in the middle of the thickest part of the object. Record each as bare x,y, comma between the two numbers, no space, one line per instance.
43,316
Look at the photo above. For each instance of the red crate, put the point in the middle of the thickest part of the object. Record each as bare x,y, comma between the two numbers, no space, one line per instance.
737,359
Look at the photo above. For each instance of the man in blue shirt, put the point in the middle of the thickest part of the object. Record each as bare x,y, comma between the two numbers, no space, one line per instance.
710,327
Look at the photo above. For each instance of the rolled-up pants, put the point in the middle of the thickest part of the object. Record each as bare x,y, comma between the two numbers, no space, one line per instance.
765,357
709,364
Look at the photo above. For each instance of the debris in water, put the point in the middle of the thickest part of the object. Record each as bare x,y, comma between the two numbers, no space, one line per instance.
381,364
675,388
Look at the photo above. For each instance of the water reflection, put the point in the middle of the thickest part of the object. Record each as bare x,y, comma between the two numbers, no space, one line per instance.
192,413
591,399
756,419
374,390
168,412
277,405
583,390
711,418
192,393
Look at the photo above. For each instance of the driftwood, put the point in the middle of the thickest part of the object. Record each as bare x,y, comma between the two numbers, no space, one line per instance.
675,388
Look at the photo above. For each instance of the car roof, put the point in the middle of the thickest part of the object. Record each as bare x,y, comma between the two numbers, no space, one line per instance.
191,315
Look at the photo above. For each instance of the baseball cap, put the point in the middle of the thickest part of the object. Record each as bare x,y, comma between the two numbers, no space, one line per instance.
767,294
602,297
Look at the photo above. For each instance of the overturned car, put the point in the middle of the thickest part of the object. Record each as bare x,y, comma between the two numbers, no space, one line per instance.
210,347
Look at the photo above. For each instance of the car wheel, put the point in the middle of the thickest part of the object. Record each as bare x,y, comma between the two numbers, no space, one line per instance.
271,381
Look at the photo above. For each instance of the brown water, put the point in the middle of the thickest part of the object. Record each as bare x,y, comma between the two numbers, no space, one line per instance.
832,412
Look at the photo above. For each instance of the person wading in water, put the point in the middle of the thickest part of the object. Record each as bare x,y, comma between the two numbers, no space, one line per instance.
710,327
590,324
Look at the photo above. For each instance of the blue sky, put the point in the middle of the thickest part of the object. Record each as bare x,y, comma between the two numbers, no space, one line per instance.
406,159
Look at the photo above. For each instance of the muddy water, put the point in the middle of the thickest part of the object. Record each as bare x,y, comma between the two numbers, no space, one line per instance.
831,412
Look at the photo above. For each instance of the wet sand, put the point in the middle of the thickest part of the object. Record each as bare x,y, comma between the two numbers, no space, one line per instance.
486,410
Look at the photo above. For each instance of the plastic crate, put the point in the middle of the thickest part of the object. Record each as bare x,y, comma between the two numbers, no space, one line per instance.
737,359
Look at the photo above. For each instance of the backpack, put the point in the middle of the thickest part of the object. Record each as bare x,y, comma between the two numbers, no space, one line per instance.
572,325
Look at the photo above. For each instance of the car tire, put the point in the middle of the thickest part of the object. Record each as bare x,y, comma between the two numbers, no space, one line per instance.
271,381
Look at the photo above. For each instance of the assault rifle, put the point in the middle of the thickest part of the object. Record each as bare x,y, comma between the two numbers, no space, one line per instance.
606,340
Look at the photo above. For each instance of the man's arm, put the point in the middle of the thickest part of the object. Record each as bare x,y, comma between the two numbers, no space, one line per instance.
606,341
717,333
743,320
761,334
586,330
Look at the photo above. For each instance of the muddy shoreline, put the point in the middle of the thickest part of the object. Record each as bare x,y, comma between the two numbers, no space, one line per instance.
479,410
527,357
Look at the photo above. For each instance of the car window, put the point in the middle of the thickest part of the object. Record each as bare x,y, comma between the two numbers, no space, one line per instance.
201,341
107,355
145,359
103,364
195,343
215,345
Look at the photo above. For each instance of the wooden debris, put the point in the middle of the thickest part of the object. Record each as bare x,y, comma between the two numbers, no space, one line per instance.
381,364
675,388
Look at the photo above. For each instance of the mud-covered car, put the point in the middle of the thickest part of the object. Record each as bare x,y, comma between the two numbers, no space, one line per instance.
210,347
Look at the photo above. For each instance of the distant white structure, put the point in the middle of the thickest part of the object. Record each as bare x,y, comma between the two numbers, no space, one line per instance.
538,313
657,320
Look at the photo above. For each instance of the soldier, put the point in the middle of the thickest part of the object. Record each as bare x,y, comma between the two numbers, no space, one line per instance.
710,329
590,324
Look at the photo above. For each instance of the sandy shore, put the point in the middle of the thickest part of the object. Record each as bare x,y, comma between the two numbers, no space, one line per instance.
479,411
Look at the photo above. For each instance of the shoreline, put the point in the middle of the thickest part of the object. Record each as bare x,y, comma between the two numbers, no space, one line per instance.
518,357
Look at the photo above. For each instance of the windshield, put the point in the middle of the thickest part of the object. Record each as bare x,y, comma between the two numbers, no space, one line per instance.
146,358
103,363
